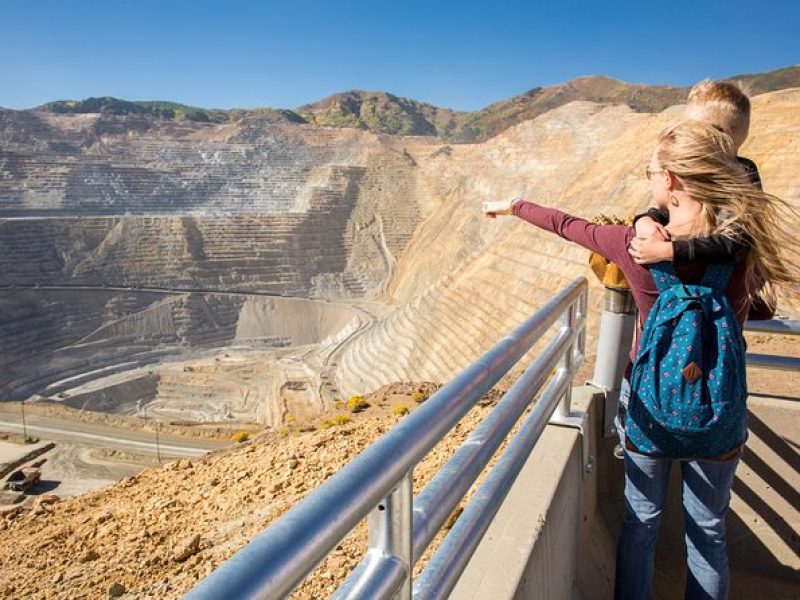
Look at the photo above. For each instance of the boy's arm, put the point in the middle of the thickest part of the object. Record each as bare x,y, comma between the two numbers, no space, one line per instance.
713,249
659,215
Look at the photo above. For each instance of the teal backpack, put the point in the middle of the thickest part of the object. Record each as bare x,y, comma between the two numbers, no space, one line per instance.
688,381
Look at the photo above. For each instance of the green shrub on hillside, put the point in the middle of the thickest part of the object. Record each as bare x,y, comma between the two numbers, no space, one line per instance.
357,404
336,420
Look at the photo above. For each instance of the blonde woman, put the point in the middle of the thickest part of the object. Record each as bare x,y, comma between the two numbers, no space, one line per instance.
694,175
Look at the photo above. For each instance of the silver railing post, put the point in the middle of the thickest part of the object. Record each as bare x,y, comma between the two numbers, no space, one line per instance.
583,309
567,322
613,347
389,559
573,319
390,530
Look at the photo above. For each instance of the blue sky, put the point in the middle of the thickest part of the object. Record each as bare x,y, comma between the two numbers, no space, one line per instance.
461,55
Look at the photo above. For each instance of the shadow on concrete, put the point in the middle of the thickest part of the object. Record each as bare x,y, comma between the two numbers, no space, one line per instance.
762,524
781,446
45,486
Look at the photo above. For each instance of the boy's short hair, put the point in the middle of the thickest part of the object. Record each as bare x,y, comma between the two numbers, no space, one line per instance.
724,105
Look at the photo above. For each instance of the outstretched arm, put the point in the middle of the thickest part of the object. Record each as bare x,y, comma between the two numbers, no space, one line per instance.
609,240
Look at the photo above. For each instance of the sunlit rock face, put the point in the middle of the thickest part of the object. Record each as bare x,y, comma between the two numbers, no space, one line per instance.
464,281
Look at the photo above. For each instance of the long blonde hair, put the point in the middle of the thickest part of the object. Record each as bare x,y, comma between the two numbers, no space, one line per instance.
703,160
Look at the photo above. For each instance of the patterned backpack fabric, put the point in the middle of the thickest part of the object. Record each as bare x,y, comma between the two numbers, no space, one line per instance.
688,383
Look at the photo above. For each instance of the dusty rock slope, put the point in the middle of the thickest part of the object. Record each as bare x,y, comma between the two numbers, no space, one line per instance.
155,534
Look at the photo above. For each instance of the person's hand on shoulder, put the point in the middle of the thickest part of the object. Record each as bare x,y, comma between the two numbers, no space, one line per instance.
499,207
648,250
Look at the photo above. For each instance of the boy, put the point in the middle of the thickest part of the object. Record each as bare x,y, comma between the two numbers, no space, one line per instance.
726,107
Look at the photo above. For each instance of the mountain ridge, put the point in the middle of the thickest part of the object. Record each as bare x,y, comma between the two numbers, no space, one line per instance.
387,113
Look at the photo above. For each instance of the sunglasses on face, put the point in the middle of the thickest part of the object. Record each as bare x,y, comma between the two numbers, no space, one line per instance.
648,172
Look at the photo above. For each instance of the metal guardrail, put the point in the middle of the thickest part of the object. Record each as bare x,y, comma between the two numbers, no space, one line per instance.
378,482
774,361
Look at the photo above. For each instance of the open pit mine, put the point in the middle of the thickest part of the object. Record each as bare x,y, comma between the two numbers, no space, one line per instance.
258,271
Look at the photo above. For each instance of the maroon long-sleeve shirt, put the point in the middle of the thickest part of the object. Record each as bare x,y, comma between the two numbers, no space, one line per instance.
612,242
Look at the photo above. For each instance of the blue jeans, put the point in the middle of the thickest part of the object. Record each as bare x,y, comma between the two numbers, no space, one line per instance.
706,495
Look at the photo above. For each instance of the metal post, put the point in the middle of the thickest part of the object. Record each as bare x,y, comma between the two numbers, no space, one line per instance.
613,347
386,569
568,322
24,424
390,529
580,350
158,445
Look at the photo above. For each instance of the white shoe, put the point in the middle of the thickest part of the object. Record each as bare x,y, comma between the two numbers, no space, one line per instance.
619,452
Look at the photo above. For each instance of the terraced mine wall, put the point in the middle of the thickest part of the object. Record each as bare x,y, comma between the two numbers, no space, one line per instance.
58,339
115,232
465,281
329,214
103,200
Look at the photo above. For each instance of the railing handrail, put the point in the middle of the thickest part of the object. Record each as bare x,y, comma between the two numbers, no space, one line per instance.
774,361
777,326
273,563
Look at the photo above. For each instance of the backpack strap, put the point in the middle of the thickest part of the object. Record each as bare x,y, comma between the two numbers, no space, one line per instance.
664,275
717,276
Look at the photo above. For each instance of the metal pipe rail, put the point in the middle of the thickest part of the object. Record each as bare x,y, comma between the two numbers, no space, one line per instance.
378,482
773,361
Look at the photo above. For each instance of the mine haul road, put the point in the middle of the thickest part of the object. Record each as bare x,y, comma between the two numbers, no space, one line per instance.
105,436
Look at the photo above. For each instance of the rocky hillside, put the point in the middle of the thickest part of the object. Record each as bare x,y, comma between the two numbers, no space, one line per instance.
170,111
386,113
485,123
382,112
156,534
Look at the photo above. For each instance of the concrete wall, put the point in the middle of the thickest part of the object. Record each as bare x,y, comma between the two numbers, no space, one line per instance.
547,540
